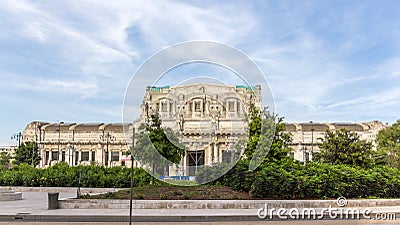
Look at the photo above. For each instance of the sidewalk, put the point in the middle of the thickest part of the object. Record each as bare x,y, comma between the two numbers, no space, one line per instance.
33,207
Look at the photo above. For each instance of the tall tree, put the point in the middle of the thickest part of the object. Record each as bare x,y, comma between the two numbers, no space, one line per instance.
388,140
154,141
345,147
27,152
266,134
267,141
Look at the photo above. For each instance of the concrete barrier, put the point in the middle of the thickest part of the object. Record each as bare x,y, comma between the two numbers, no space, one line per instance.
217,204
60,189
9,195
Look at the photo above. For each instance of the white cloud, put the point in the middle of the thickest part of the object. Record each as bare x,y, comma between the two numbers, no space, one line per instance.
319,63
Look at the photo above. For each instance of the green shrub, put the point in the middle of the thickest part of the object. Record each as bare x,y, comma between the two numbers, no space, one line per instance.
163,196
62,175
186,195
294,180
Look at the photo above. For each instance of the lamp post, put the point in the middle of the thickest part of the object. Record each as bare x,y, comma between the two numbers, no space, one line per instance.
214,136
40,144
212,147
108,137
312,139
17,136
181,128
132,170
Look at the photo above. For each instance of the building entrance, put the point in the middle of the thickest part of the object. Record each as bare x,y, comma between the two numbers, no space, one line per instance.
196,159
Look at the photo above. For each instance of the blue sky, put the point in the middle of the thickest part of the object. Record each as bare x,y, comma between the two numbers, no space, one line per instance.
72,61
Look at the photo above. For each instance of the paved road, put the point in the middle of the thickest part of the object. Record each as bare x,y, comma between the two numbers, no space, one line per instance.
325,222
35,204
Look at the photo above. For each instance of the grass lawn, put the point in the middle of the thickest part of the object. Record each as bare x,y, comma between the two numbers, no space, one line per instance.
169,192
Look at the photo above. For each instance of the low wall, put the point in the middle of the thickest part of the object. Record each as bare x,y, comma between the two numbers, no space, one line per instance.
218,204
60,189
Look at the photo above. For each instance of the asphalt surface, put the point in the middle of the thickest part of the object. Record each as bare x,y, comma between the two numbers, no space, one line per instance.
32,209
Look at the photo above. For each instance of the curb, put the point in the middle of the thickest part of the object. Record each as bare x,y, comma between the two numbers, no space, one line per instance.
167,218
217,204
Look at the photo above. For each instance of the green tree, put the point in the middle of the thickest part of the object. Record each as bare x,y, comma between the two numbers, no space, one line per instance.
388,140
154,140
345,147
5,159
27,152
254,131
266,132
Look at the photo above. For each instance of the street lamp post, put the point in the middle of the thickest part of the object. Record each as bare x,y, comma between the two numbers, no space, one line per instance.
312,139
108,137
181,128
132,171
17,136
212,147
303,148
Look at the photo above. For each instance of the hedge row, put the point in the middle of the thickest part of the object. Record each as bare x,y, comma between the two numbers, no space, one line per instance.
293,180
62,175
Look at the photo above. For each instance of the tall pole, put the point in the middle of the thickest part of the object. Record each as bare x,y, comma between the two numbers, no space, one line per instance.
181,128
196,159
19,139
108,136
17,136
303,148
132,170
312,139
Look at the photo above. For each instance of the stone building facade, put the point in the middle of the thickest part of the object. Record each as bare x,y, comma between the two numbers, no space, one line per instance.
78,144
306,136
208,119
8,149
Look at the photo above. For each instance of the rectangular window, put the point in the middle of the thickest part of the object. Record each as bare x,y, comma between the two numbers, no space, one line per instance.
85,156
292,154
46,159
114,156
54,155
307,156
197,106
93,156
226,156
76,158
231,106
164,106
63,156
